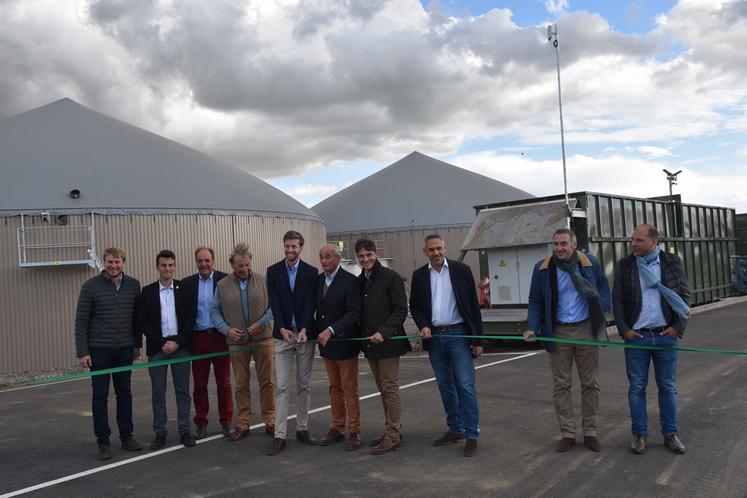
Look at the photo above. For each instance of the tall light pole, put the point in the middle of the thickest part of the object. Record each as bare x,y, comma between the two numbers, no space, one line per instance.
552,37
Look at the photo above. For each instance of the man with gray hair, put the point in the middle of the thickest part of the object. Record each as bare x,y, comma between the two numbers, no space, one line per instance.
568,297
338,309
241,312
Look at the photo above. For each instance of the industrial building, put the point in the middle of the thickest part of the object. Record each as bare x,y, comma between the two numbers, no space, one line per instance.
75,181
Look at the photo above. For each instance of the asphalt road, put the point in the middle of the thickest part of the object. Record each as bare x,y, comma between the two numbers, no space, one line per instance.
48,436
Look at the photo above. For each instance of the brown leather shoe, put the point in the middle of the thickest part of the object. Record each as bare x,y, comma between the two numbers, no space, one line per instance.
333,436
385,446
638,444
239,434
377,440
565,444
277,446
470,448
270,430
353,442
305,438
448,438
674,444
592,443
105,452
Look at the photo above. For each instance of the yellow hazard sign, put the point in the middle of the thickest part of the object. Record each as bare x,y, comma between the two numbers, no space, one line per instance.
502,264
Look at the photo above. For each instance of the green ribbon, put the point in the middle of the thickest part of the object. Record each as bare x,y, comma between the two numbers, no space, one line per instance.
583,342
136,366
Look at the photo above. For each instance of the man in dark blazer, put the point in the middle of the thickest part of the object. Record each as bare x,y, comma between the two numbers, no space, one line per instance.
338,309
165,321
650,303
443,303
199,289
291,287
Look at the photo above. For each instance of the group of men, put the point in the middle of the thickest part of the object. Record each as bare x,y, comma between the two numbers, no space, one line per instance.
568,298
276,320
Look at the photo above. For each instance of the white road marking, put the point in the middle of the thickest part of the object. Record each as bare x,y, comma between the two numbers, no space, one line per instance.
152,454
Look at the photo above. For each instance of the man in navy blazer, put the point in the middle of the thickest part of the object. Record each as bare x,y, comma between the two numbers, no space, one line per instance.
444,305
166,323
338,311
291,287
199,289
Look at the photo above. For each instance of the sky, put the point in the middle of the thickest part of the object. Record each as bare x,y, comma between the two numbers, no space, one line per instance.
313,96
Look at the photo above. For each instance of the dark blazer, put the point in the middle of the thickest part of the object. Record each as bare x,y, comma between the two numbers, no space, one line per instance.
191,289
626,291
384,310
340,309
301,301
149,311
465,293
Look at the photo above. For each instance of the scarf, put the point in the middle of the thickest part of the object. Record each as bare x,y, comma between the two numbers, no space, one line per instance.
651,281
584,288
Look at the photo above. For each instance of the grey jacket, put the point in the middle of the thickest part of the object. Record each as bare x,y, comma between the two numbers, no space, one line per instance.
105,317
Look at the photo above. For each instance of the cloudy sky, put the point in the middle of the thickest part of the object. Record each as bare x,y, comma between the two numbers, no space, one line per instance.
315,95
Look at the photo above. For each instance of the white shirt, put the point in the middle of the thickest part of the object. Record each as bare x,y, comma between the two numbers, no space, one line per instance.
443,303
169,328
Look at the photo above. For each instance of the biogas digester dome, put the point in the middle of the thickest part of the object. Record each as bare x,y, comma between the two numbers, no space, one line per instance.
409,199
75,181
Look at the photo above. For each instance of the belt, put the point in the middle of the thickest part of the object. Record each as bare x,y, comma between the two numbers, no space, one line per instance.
653,330
206,331
442,328
572,324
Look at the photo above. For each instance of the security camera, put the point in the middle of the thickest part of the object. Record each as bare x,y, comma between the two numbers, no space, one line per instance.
74,193
45,215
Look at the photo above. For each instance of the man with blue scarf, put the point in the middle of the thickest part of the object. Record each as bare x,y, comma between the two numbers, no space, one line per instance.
649,301
567,299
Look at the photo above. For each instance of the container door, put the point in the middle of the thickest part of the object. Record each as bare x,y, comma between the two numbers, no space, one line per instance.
504,277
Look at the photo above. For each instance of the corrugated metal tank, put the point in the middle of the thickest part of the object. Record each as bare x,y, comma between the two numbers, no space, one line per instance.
37,305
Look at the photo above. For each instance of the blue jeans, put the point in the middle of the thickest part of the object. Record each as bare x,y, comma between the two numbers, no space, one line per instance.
451,359
637,362
180,376
102,358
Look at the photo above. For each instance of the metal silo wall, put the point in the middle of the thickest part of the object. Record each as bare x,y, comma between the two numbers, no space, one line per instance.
37,305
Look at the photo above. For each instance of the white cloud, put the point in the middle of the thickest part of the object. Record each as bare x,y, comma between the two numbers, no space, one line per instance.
309,189
614,174
280,88
556,7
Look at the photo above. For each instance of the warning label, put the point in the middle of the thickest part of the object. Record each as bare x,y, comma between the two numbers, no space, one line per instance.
502,264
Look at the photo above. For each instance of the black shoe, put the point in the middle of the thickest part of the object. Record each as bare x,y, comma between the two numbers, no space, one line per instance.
448,438
130,444
158,442
187,440
470,448
201,431
227,430
305,438
277,446
105,452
